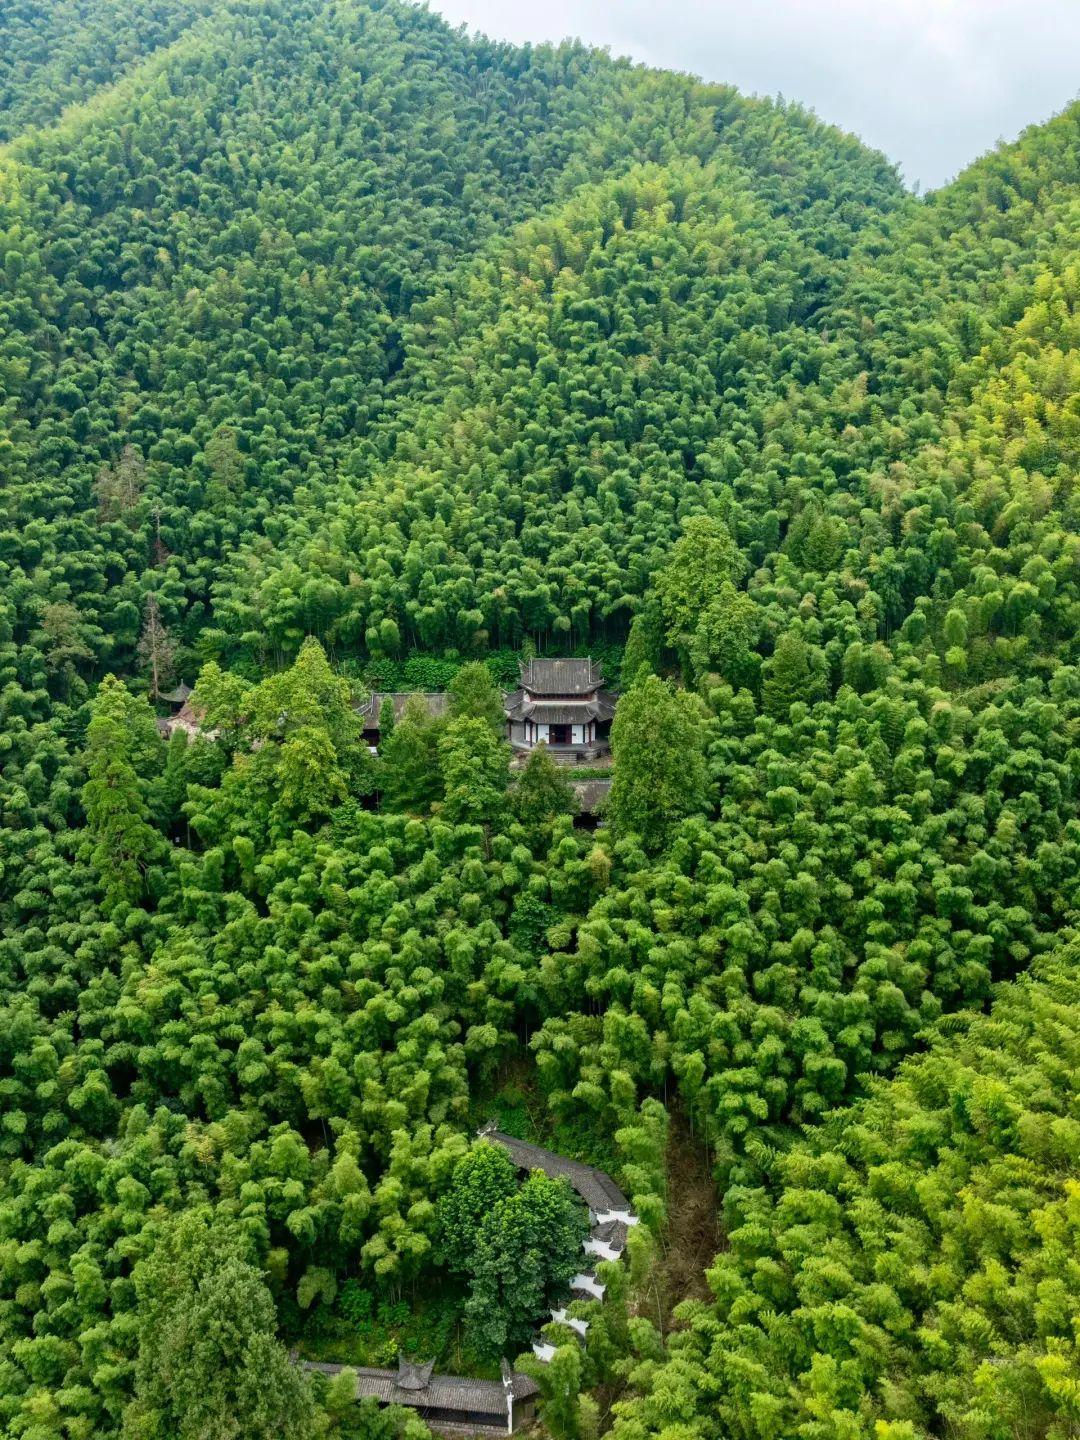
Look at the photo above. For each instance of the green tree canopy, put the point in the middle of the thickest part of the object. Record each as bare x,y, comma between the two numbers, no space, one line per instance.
122,751
482,1178
657,739
542,790
702,561
209,1361
474,693
409,771
475,765
527,1249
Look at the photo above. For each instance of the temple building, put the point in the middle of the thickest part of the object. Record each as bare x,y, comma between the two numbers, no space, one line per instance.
562,703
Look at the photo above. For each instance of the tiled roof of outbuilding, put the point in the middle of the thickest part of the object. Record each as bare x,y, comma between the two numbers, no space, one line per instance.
436,702
438,1392
598,1190
591,794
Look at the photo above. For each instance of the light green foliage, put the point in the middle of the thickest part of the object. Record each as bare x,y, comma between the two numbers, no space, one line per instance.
879,863
474,693
224,701
561,1382
643,645
657,739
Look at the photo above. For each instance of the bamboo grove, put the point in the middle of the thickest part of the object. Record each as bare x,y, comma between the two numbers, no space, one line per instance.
341,352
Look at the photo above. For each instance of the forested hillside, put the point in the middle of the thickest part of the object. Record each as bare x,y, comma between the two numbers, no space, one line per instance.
341,352
911,1269
57,55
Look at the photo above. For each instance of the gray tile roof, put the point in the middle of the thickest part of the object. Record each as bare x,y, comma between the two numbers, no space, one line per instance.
414,1376
591,795
551,713
436,702
598,1190
561,677
439,1392
519,705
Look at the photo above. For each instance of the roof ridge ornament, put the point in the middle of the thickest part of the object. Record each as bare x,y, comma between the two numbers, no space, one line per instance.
413,1374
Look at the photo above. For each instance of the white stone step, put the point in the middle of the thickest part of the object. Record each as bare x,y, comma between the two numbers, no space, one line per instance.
581,1326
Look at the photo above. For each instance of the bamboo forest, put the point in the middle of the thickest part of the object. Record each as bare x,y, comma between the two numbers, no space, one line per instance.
539,747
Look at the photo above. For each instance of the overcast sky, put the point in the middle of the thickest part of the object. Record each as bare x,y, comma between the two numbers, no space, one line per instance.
933,83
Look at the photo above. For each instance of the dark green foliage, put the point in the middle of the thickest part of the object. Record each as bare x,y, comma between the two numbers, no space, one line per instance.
209,1362
475,765
55,55
658,741
542,790
387,720
409,774
483,1178
527,1248
793,674
910,1270
122,753
530,922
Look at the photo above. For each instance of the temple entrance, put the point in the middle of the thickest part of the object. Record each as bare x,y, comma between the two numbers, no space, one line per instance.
560,735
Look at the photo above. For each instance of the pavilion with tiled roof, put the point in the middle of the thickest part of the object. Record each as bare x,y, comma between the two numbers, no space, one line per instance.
561,703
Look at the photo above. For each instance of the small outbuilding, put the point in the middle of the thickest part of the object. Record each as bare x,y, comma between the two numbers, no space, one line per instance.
435,702
562,704
592,797
185,716
448,1404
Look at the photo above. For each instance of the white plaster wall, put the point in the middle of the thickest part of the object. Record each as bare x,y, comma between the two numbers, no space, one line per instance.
577,734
